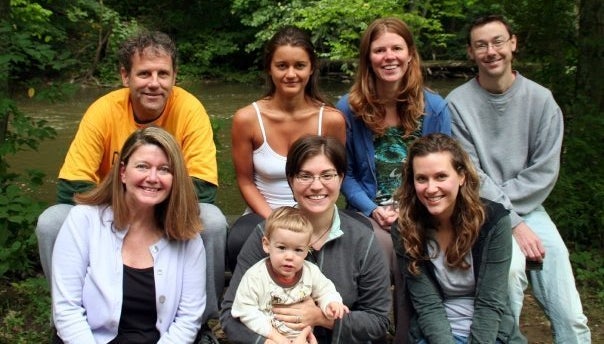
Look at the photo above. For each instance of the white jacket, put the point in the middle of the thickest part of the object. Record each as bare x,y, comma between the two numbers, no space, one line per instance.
87,280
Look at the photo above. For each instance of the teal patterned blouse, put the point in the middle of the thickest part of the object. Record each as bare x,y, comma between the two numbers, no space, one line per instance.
390,155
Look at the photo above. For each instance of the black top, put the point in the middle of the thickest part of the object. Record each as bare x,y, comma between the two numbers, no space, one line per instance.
139,314
138,317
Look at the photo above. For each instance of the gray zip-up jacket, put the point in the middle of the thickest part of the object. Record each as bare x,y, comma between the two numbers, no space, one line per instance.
353,261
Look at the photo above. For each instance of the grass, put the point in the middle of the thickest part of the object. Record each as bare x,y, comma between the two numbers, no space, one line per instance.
25,311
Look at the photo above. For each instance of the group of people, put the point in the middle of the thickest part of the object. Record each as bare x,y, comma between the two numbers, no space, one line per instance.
443,201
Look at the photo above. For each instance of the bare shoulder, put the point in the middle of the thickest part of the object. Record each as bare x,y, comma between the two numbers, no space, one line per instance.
335,124
333,115
246,127
245,115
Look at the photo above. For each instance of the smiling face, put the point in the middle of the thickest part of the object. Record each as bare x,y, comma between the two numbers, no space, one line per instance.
389,56
290,70
150,80
147,177
495,61
317,197
437,184
287,251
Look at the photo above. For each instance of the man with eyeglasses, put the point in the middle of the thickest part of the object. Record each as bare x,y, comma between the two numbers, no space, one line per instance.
512,128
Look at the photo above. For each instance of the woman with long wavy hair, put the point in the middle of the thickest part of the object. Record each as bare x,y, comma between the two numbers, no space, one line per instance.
387,108
453,248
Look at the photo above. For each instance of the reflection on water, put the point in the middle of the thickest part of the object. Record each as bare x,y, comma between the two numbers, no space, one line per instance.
221,100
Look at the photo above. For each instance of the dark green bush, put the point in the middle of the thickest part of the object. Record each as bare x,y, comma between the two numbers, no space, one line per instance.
577,203
19,208
589,271
25,312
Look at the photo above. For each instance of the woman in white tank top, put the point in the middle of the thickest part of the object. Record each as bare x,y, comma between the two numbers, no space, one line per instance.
263,131
293,107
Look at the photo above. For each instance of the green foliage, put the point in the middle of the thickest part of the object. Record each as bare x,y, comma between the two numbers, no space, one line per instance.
31,34
24,132
18,213
577,203
108,65
19,208
95,33
547,44
589,270
32,16
208,38
337,25
25,312
198,55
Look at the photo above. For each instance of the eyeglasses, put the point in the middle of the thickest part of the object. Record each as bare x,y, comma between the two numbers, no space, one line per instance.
307,178
482,47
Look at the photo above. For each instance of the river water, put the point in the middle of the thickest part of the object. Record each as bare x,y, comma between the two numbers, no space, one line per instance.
221,100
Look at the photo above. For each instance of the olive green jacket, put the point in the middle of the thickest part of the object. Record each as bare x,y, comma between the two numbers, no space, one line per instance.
492,320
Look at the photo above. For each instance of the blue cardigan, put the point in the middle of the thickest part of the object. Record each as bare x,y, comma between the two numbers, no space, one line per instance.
360,184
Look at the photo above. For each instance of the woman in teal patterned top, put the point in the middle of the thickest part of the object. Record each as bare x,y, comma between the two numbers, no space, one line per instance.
386,110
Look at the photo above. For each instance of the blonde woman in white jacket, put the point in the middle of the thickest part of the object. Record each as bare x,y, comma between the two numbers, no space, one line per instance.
129,264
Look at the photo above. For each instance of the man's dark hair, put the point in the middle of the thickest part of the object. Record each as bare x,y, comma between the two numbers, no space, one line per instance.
159,42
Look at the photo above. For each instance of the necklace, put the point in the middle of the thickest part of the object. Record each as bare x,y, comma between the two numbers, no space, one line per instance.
318,239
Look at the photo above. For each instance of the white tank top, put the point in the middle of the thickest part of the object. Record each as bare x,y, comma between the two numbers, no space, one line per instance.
269,170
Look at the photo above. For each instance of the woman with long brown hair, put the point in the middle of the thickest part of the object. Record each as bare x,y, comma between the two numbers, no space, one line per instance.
387,108
453,248
263,131
129,264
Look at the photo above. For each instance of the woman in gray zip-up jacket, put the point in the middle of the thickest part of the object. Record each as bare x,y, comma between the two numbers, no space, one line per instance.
343,246
454,249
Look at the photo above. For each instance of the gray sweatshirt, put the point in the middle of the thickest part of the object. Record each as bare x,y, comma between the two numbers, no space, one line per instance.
513,138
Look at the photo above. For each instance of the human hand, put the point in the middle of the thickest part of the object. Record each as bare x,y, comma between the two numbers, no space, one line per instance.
336,310
306,336
530,244
385,215
276,338
302,314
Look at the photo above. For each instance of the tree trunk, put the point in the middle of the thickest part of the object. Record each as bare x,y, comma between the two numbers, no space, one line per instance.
591,52
101,46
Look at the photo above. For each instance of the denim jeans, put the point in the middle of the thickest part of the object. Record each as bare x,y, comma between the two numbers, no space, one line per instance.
213,235
553,286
